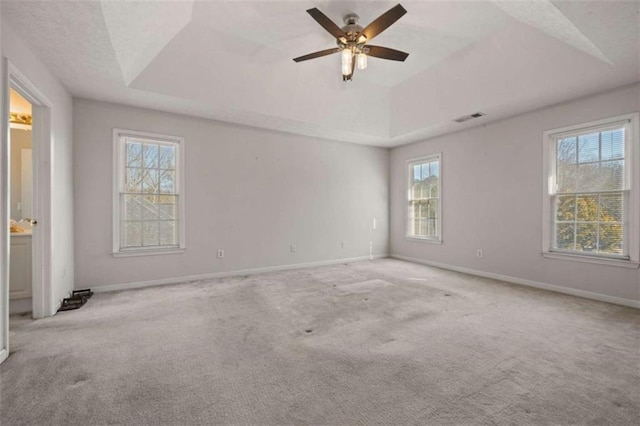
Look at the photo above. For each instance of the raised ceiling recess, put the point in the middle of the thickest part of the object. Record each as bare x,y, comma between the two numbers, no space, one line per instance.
231,60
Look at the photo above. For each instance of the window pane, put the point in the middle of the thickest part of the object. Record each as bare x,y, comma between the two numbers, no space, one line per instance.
432,209
415,185
432,228
423,227
417,172
167,182
565,233
168,235
167,157
150,154
132,234
586,237
134,154
587,208
414,209
150,182
149,207
434,169
132,207
611,207
588,148
613,144
612,175
416,227
133,180
424,209
434,189
424,171
567,178
611,238
150,234
588,177
424,184
565,207
566,152
167,207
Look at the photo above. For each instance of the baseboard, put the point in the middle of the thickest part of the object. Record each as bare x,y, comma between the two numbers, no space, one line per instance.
253,271
520,281
3,355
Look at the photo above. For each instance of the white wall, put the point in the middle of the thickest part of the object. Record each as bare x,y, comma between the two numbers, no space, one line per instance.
492,195
250,192
62,259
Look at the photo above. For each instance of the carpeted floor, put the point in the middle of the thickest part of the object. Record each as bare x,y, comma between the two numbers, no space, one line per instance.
381,342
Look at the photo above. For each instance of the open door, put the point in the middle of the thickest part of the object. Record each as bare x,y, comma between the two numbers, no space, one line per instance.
42,299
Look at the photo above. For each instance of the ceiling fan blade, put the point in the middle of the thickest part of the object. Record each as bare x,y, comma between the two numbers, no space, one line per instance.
385,53
317,54
326,23
384,21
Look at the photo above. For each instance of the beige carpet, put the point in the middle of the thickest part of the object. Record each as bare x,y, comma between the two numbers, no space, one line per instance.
382,342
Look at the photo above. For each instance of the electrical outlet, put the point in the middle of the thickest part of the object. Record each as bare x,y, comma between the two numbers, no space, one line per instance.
293,248
479,253
220,254
342,244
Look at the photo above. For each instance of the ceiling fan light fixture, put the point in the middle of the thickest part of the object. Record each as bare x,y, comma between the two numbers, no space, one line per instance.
352,40
347,56
361,61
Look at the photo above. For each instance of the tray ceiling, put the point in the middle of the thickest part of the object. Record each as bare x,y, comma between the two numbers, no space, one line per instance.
232,60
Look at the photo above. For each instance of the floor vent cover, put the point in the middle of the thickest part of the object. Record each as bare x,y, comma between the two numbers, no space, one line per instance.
77,299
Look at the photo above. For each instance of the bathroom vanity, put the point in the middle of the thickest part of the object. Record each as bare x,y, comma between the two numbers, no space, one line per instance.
20,266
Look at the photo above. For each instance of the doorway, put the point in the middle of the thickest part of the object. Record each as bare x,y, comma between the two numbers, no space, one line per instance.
27,203
20,205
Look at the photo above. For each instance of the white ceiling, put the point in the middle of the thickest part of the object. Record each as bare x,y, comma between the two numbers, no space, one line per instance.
232,60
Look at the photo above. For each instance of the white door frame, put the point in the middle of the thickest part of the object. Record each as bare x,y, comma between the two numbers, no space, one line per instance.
42,297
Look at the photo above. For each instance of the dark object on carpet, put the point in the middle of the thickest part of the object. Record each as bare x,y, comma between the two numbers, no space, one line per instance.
86,293
77,299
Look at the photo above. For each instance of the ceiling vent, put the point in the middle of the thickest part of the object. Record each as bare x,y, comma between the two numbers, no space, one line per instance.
469,117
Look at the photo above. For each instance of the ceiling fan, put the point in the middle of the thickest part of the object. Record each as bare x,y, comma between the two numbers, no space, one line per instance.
352,40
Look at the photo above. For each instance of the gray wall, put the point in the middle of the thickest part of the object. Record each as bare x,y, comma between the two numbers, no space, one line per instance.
492,198
22,57
250,192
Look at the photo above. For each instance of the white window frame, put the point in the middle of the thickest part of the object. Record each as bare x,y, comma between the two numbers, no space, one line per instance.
632,182
409,178
118,186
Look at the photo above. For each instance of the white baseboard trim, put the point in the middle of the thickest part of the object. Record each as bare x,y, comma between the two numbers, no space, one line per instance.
3,355
520,281
253,271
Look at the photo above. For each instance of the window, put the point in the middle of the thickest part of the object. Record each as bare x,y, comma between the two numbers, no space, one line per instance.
424,204
591,199
148,196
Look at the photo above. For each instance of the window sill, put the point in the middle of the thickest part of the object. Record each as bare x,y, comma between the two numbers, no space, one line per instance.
621,263
148,252
423,240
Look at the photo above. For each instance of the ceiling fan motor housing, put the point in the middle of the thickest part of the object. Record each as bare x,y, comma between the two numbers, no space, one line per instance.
351,29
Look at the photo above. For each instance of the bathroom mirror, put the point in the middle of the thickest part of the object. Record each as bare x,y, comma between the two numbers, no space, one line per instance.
21,174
